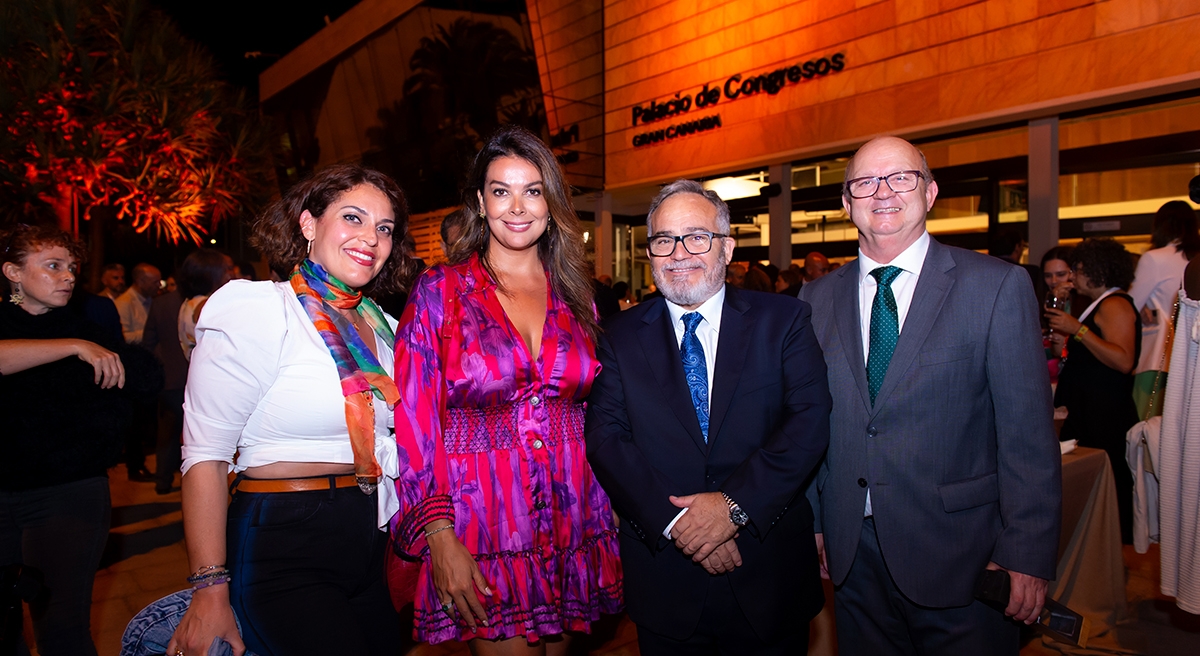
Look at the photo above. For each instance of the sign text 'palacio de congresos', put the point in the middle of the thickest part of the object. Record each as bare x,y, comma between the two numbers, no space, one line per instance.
737,86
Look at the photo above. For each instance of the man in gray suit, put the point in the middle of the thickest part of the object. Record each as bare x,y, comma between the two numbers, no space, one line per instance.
942,458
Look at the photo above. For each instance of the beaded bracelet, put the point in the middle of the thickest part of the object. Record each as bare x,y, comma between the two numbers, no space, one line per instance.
200,578
224,577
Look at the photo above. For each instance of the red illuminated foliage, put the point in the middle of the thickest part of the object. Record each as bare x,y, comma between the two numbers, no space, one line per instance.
105,105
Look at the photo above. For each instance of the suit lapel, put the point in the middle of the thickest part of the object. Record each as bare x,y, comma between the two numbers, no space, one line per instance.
731,354
849,327
932,288
657,338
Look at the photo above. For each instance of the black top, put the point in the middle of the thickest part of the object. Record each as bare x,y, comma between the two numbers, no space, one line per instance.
59,425
1099,399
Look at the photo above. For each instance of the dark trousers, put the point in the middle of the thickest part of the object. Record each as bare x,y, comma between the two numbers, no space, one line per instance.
143,430
723,631
308,574
60,530
875,619
168,452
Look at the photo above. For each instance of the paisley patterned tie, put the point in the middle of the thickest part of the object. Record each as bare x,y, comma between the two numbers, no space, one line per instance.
695,369
885,328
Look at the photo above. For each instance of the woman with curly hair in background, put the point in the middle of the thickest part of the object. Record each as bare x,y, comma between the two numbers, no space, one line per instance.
1096,382
63,420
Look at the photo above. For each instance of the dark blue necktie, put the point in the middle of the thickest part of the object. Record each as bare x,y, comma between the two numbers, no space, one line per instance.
695,369
885,328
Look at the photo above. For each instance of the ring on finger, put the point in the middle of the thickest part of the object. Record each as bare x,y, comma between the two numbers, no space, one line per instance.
446,608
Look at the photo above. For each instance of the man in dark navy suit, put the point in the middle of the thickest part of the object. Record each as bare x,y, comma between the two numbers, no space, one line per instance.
709,413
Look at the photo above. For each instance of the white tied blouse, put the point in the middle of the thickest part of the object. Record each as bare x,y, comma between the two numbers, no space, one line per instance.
263,388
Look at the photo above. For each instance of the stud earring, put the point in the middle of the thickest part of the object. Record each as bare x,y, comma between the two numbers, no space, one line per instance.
16,298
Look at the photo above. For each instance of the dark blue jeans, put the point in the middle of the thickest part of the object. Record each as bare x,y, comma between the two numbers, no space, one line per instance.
60,530
308,574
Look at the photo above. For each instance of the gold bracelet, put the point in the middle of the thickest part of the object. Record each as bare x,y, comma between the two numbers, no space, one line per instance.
1083,330
438,530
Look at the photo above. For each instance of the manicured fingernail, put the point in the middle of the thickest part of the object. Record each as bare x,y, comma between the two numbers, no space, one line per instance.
487,590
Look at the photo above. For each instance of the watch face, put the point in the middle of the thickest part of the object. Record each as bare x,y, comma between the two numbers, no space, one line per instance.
738,516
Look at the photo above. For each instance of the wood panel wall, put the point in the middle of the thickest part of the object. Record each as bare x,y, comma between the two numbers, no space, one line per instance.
913,67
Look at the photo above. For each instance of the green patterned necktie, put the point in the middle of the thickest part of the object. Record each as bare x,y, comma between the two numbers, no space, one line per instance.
885,328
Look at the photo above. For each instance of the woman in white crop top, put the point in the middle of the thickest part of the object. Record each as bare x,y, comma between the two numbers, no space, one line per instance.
290,388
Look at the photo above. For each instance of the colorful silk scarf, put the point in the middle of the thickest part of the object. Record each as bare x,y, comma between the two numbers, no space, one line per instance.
357,367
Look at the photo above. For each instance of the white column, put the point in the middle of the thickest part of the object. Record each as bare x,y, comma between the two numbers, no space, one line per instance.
1043,187
604,234
779,247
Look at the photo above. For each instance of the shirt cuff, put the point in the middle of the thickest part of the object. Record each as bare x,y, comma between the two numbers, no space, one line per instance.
667,532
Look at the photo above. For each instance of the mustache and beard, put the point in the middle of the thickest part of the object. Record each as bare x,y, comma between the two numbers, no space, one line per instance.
680,292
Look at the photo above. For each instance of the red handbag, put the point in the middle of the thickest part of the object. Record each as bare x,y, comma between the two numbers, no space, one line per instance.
402,574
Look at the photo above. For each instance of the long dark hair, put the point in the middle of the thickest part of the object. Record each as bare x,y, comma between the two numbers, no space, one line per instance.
560,248
1176,220
277,232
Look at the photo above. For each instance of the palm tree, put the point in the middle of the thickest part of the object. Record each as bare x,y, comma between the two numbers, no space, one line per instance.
471,68
468,79
109,111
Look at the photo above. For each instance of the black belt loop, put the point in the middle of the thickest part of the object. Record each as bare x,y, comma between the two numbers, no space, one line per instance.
236,479
332,478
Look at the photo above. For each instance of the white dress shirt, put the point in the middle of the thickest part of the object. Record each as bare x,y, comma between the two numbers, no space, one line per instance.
263,388
708,331
1155,285
133,309
910,262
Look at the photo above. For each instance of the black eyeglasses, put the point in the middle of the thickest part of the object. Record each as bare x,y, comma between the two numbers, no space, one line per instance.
899,182
696,243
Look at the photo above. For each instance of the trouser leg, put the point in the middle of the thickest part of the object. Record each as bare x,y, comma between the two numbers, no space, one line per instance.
64,530
170,431
875,619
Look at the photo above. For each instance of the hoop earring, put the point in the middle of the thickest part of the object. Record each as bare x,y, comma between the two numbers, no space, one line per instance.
16,298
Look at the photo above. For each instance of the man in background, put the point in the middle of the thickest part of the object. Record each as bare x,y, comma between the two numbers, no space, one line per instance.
134,304
112,281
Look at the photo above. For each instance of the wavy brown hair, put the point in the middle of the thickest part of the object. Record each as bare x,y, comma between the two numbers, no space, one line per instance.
277,232
19,241
560,247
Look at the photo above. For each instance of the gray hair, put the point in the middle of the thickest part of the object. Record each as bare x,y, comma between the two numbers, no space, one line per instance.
684,186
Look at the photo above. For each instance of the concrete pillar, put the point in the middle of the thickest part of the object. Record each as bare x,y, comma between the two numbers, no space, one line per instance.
604,234
1043,187
779,247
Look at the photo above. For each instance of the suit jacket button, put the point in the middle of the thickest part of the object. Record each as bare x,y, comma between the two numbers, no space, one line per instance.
872,432
862,482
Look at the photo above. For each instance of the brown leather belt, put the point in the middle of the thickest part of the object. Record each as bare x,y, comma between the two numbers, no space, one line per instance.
263,485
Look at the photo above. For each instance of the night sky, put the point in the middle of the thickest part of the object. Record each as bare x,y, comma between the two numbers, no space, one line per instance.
231,28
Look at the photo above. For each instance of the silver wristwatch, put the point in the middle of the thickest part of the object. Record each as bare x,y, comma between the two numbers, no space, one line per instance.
737,516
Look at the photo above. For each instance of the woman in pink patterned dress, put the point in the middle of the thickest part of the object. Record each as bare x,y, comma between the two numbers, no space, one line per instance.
494,356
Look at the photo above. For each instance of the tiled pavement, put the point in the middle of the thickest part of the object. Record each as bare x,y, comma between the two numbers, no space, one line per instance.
146,560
